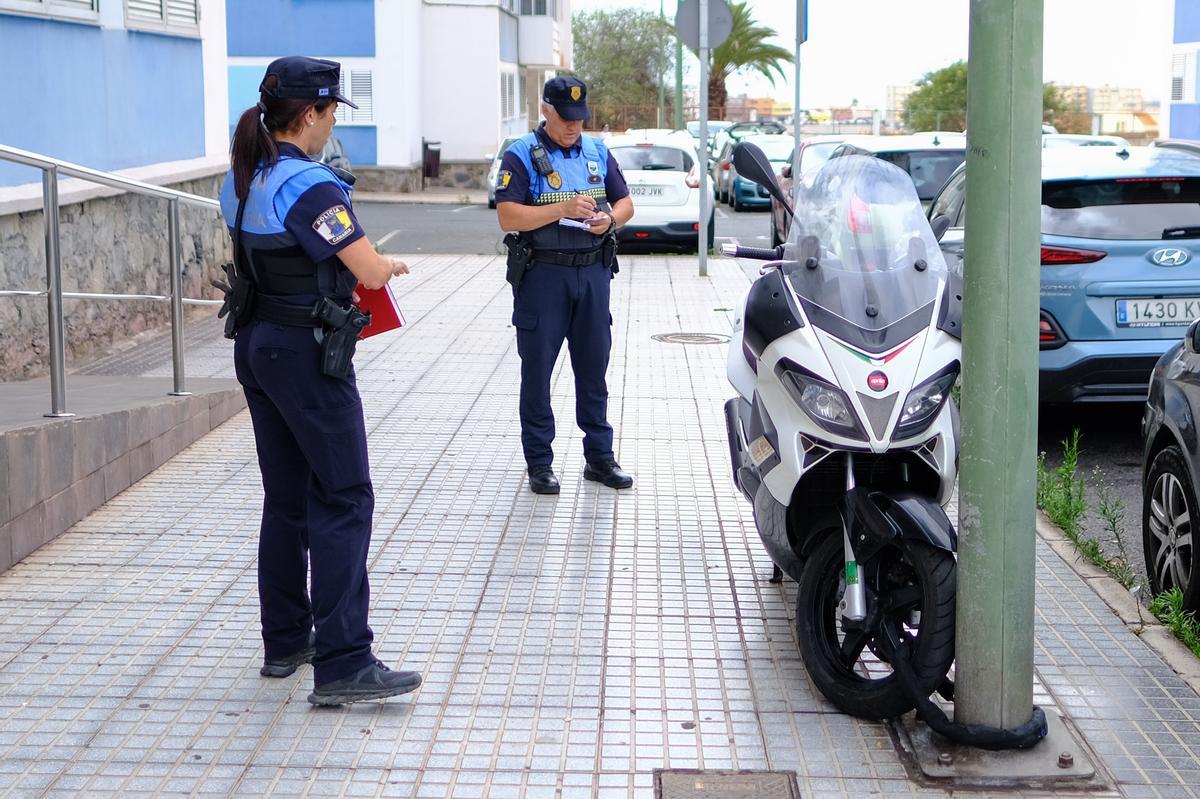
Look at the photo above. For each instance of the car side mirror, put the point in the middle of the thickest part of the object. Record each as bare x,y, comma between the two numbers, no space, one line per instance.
488,156
940,224
1191,339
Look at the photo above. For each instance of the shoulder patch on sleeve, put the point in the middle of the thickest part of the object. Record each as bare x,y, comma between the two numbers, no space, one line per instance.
502,179
334,224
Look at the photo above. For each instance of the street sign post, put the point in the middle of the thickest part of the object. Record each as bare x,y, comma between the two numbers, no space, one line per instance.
703,24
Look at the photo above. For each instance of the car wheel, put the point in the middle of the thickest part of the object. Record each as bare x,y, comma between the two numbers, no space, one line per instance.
1168,509
491,204
737,204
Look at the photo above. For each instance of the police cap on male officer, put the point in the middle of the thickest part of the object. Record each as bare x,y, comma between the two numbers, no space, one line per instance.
561,195
300,252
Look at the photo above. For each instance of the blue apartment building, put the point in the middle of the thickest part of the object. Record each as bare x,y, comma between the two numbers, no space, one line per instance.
1185,72
111,84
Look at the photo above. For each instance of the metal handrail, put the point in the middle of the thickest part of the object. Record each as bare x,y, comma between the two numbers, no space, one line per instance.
43,162
51,169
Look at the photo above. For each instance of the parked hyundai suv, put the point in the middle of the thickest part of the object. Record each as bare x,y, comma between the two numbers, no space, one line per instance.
1120,258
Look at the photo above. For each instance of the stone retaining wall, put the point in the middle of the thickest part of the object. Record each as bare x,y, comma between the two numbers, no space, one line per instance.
110,245
407,179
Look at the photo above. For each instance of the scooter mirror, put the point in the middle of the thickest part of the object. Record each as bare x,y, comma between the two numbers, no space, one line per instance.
940,224
752,163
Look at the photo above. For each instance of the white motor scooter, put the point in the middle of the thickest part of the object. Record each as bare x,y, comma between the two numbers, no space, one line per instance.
843,433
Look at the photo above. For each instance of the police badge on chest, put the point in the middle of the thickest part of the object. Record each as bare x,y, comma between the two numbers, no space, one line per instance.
593,172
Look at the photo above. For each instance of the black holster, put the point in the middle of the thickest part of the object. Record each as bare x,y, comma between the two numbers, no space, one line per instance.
608,252
342,327
238,308
520,257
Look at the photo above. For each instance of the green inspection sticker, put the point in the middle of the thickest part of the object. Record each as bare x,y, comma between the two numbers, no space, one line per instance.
851,573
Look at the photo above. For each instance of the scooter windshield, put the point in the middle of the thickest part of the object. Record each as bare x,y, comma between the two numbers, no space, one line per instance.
861,253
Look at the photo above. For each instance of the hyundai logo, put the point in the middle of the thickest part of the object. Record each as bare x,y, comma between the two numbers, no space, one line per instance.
1170,256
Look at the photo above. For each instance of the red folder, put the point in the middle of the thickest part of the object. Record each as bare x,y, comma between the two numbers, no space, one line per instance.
381,304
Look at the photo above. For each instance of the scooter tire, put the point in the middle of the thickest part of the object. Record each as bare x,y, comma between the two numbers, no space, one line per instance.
818,626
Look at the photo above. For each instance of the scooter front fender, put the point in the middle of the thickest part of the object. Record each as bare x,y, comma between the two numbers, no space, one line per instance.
876,519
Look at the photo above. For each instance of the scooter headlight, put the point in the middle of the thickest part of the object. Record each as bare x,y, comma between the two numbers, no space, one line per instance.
825,404
924,402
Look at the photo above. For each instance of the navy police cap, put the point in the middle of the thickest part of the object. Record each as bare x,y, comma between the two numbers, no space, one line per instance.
303,78
568,96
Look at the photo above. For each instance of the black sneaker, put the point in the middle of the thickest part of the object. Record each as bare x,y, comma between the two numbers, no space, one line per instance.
608,472
376,681
285,667
542,480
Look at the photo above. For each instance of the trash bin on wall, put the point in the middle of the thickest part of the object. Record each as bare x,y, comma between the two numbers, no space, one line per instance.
431,158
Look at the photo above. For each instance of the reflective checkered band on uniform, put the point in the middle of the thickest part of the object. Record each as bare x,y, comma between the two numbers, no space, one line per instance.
597,193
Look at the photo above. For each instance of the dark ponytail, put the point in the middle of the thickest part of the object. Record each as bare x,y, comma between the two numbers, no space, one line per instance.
253,138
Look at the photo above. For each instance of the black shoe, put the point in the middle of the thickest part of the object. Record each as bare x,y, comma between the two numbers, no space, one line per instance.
542,480
285,667
376,681
607,472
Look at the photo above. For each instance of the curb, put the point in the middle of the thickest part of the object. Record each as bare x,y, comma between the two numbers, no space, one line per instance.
418,199
1138,620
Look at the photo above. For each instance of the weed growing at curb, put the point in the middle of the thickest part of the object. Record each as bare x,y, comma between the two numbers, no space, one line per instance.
1061,494
1168,607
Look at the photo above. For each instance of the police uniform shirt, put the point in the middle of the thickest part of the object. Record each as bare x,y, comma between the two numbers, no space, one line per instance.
314,207
512,182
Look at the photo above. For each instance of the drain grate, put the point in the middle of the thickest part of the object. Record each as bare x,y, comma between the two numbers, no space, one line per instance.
691,338
687,784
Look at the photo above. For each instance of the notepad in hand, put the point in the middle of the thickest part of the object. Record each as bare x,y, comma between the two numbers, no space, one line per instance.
381,304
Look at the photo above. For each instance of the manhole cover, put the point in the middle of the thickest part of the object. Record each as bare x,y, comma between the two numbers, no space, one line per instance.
683,784
691,338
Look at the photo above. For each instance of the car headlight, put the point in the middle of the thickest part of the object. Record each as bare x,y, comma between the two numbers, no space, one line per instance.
824,403
924,402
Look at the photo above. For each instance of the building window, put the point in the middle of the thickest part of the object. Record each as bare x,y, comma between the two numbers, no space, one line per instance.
64,9
361,92
522,97
169,16
510,101
539,8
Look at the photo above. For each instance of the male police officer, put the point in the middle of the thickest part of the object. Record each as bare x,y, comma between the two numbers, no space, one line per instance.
563,193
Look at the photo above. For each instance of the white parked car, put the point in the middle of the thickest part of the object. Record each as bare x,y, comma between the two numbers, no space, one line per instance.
664,183
494,170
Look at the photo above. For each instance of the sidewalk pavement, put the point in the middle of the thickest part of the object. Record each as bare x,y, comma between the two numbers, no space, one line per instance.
570,645
434,195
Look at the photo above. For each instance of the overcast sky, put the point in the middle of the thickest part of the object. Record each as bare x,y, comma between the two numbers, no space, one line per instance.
857,48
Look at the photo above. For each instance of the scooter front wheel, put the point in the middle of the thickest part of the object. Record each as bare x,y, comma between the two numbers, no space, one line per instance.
910,590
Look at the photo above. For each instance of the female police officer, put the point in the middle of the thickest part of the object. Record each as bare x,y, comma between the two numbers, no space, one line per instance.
300,252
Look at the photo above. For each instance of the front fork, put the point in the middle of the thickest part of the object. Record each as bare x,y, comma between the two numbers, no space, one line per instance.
853,607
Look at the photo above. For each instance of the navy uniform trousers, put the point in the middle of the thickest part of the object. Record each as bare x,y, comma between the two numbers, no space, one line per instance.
556,302
312,451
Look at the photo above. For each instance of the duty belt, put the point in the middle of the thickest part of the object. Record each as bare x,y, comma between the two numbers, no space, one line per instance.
282,313
583,258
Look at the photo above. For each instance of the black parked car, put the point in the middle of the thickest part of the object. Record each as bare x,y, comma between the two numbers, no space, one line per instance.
1170,469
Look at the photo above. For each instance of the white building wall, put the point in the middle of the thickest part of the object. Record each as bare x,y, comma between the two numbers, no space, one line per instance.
461,70
216,77
398,86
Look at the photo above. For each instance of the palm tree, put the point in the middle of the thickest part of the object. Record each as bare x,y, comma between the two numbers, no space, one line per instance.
746,48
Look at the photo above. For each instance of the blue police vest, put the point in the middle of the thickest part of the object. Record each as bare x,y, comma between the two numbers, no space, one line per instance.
583,174
278,264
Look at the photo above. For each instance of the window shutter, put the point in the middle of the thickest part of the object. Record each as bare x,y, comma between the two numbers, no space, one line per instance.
1178,65
80,5
145,9
362,93
358,86
183,12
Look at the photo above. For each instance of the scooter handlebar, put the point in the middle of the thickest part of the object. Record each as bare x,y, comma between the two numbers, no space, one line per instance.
731,250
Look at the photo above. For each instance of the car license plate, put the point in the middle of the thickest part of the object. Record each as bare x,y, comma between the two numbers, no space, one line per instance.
1163,312
646,191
